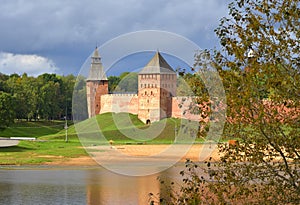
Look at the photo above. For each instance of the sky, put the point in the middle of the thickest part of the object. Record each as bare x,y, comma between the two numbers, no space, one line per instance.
58,36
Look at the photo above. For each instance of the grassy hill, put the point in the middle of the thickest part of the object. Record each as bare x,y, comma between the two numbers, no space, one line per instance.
122,128
32,129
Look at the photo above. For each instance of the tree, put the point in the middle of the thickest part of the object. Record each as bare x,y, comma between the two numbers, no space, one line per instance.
16,88
3,79
128,83
260,44
25,90
67,88
188,84
79,102
7,114
50,101
47,96
259,63
113,82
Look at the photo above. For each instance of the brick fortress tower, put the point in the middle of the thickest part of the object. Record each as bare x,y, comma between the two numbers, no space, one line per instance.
156,91
96,85
157,85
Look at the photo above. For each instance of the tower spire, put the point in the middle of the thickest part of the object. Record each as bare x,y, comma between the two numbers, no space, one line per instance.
96,84
96,69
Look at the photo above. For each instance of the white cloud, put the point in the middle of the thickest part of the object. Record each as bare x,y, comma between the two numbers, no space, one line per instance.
31,64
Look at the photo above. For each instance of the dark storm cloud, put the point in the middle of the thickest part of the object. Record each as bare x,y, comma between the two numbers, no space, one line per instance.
65,32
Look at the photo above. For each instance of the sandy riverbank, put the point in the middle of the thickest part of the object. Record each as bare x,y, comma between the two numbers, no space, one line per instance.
198,152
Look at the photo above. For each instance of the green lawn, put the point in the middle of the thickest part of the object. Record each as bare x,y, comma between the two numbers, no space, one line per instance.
34,152
51,135
50,147
32,129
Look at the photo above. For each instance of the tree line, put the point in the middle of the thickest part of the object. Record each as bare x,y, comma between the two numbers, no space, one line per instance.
47,96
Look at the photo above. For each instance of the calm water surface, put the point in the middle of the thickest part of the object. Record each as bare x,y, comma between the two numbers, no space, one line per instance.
77,186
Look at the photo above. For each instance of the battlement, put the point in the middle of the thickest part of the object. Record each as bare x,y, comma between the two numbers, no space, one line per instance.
122,94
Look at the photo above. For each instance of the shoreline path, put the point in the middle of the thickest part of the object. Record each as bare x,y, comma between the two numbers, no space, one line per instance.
122,154
4,142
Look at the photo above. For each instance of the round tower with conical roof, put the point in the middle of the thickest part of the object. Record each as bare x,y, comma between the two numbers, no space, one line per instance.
96,85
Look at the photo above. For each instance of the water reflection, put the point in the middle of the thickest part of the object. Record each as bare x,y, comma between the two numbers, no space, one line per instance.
109,188
80,186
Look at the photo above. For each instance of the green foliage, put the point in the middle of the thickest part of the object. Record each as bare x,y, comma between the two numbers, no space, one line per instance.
44,97
79,102
193,187
190,85
7,113
259,65
3,79
128,83
113,82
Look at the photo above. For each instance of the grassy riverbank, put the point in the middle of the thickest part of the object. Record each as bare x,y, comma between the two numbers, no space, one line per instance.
51,146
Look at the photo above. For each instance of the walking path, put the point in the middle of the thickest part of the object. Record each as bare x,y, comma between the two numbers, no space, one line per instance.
4,142
138,153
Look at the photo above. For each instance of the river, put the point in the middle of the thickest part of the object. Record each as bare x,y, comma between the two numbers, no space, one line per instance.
77,185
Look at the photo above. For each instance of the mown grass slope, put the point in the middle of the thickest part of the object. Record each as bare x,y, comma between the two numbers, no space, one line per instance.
51,146
32,129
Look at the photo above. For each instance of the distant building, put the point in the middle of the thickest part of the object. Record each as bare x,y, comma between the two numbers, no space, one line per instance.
156,98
